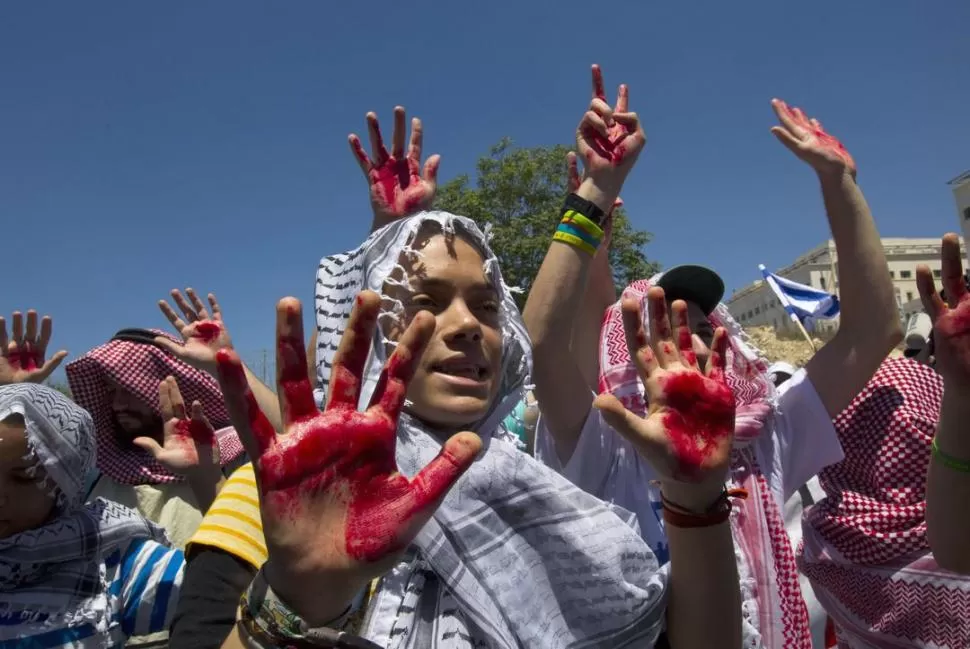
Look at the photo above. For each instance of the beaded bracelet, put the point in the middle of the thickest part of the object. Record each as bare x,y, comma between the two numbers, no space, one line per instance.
949,461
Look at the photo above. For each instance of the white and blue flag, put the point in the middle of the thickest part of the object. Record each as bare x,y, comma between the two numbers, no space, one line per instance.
803,303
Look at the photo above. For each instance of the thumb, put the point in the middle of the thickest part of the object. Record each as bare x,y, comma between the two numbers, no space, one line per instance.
431,168
627,424
431,484
148,445
48,368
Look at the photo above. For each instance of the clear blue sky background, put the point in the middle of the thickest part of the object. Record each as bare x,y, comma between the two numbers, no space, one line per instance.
150,145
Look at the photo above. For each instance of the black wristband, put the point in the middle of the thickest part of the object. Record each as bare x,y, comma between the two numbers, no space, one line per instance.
589,209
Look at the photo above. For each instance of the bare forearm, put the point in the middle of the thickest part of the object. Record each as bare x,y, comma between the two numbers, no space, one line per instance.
948,489
600,293
268,401
704,609
868,304
870,326
550,313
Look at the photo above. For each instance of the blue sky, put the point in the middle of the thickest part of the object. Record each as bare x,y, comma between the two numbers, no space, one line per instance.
147,146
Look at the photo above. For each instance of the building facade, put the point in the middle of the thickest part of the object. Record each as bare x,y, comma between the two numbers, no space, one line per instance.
757,305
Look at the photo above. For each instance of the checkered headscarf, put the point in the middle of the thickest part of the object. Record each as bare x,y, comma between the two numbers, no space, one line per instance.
139,367
865,547
773,601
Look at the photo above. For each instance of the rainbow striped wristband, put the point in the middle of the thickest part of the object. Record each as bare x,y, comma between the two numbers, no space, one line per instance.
578,231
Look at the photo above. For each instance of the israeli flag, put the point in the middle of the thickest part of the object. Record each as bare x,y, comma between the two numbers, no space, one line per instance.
803,303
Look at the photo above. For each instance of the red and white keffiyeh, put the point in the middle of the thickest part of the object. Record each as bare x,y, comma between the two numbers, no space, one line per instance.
769,572
139,367
865,547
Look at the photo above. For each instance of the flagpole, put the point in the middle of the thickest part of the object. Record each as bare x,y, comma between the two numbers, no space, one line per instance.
787,306
804,331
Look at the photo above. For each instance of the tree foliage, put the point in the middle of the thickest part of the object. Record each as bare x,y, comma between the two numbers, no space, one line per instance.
519,193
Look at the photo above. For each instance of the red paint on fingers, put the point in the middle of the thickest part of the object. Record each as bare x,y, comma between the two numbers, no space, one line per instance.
954,326
699,421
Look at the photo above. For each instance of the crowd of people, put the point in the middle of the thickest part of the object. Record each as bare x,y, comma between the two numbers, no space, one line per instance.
436,469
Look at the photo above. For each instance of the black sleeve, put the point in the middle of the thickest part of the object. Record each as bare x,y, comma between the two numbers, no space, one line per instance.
213,582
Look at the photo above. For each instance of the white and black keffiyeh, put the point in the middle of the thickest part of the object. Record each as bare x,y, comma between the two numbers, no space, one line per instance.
516,556
57,570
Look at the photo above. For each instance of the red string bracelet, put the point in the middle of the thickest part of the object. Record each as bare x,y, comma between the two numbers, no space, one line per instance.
717,513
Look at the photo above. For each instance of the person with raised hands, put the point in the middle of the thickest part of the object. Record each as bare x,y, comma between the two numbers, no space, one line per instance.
118,383
609,140
23,355
782,437
885,550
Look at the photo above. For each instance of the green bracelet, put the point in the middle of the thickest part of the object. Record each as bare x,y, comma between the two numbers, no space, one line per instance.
949,461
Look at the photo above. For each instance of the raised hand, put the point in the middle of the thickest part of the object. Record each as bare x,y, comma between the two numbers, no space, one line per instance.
609,138
203,334
336,512
399,186
689,427
22,357
807,139
951,318
189,444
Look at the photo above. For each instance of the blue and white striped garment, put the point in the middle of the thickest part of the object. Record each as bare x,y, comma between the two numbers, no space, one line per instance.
143,588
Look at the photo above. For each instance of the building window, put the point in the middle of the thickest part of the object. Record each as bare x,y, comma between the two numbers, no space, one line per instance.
892,274
909,296
757,310
937,273
966,213
821,281
750,314
905,274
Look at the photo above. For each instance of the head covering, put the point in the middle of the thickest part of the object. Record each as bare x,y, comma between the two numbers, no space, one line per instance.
772,597
865,548
781,368
56,570
515,556
139,368
697,284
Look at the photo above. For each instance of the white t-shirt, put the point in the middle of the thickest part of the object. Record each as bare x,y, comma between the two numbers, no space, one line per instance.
802,441
805,497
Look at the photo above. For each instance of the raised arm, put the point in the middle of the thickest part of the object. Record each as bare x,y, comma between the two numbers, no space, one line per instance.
869,325
609,140
335,511
686,437
948,483
600,293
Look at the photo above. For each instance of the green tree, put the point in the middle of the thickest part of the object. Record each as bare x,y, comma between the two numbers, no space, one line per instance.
519,194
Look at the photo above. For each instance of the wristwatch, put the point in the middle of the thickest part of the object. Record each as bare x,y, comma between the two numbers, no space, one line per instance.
589,209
